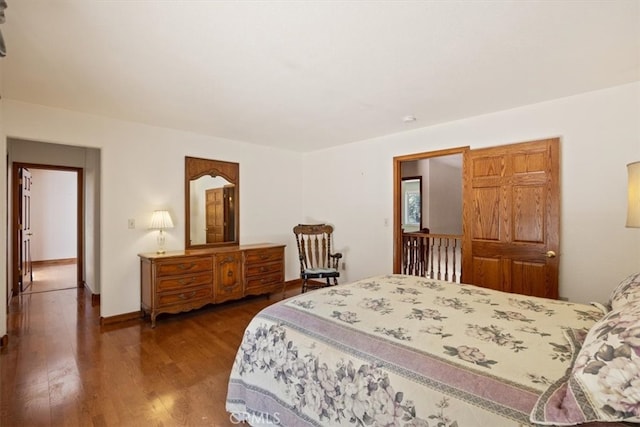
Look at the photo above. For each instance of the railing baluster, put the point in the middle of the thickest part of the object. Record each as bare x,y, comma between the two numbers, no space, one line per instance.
439,257
446,260
419,257
412,256
455,247
431,275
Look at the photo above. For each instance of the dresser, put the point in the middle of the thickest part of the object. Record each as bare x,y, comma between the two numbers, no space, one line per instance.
179,281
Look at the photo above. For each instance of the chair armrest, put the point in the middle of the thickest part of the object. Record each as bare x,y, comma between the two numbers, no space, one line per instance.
336,260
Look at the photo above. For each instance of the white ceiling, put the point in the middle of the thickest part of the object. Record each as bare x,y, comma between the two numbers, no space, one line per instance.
305,75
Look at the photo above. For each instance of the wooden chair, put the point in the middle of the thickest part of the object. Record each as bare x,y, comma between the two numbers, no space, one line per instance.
316,259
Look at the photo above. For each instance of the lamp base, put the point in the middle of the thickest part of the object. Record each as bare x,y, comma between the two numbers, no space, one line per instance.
161,240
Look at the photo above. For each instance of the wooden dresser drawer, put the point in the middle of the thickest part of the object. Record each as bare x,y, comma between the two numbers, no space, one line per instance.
264,255
181,282
184,265
265,280
263,269
187,295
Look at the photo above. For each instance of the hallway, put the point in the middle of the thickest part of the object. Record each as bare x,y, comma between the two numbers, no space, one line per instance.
52,277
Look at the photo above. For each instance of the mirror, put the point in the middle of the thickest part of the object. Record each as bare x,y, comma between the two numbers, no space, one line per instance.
211,203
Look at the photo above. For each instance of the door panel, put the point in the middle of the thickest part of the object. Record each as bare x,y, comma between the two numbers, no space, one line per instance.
215,215
26,266
511,218
487,272
524,275
528,214
486,225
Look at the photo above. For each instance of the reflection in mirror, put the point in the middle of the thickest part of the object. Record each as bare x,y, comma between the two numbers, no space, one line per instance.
211,210
211,202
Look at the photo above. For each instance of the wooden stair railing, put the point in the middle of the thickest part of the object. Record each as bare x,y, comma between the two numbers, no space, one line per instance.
434,256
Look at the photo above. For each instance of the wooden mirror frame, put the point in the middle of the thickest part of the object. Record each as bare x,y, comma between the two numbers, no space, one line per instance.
195,168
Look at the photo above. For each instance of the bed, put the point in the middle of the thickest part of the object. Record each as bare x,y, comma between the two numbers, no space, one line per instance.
408,351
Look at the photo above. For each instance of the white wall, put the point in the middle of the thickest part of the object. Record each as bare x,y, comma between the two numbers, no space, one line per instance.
445,197
54,200
600,134
92,220
142,169
424,170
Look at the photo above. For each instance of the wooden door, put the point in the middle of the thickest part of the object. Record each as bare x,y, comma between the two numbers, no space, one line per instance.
511,218
25,233
215,215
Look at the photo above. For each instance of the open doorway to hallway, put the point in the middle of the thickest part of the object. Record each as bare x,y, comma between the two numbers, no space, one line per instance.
47,209
428,214
54,227
84,164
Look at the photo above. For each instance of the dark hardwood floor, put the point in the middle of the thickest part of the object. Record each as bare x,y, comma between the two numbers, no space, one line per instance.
61,368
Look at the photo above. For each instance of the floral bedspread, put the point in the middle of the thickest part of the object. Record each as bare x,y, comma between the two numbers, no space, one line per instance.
402,351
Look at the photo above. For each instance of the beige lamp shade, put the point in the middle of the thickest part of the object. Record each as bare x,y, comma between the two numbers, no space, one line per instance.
161,220
633,206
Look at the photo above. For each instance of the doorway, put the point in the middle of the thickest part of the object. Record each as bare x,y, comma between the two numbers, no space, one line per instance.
510,217
428,214
47,228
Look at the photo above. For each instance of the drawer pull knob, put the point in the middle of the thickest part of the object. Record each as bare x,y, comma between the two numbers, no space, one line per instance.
185,281
191,295
185,266
229,273
263,269
263,257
